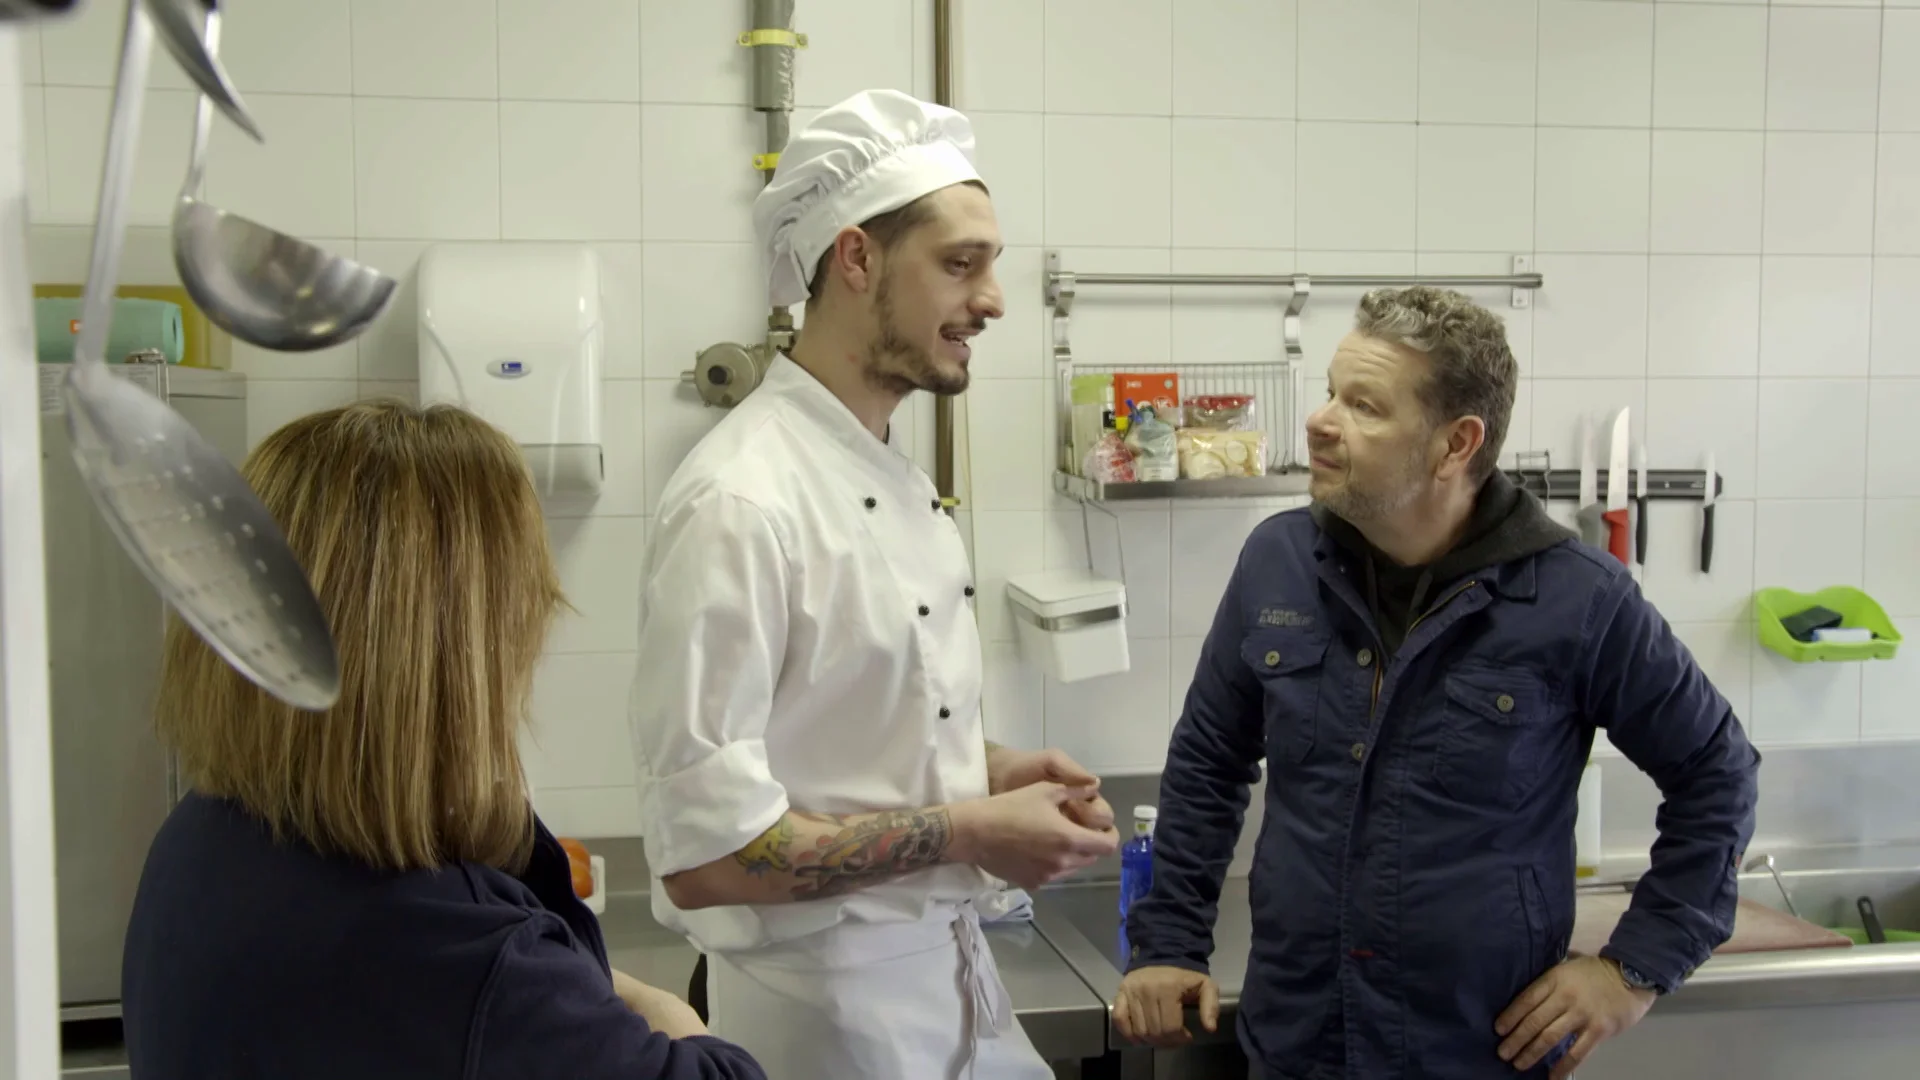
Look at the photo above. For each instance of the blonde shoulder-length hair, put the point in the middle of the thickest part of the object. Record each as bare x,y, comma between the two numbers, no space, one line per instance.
425,543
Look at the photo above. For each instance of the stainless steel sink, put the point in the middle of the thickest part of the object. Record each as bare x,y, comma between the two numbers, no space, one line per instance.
1829,897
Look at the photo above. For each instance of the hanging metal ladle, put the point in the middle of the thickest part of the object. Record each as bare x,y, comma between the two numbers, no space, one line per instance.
260,285
197,59
180,509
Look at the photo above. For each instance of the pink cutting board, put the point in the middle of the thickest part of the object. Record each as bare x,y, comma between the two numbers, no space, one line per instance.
1756,927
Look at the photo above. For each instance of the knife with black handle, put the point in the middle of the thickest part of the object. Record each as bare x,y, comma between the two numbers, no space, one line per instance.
1640,505
1706,516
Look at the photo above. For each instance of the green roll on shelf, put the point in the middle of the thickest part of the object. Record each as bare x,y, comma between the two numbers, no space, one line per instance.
137,324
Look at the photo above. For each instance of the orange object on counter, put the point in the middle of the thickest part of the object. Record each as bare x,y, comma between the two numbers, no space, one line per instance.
581,863
1159,389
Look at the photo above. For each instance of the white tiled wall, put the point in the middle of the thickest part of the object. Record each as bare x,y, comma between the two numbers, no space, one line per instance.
1724,198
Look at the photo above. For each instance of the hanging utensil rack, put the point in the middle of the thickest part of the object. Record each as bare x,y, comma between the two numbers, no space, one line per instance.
1277,386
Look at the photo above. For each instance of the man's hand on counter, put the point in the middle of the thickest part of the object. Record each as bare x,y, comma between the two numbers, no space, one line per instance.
1151,1005
1585,996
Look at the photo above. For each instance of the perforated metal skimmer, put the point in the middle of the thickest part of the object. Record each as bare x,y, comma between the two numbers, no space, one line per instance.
182,511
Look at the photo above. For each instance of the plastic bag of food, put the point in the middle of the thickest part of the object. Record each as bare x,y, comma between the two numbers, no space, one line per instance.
1220,412
1155,445
1109,462
1210,454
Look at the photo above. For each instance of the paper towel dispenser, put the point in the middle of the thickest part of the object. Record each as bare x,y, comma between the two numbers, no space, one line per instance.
514,334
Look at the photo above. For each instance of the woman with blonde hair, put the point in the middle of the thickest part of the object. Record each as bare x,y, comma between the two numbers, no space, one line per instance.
367,892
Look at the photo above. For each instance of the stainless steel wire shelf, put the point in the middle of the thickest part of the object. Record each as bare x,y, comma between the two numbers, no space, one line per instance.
1276,385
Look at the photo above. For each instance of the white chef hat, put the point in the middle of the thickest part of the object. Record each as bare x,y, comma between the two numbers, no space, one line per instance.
876,151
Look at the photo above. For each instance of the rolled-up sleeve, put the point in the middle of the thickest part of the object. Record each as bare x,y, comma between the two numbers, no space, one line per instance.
713,630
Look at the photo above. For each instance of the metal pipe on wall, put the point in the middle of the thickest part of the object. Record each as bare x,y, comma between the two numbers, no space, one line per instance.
943,478
773,65
724,374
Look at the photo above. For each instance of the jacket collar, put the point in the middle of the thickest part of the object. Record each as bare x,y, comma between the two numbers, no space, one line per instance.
827,413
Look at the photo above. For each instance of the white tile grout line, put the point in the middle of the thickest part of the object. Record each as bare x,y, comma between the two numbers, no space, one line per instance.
1297,410
1866,422
1760,345
1646,307
500,139
1533,238
1419,61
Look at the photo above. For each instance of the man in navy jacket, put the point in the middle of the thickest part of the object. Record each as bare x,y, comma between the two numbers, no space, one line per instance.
1423,659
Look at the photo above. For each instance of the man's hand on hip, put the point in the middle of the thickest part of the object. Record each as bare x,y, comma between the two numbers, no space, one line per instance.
1151,1005
1585,996
1010,770
1026,836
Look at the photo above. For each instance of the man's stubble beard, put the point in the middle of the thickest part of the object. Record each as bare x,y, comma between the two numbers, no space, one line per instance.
1357,505
896,365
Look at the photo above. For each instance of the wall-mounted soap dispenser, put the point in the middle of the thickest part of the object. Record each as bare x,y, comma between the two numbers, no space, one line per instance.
514,334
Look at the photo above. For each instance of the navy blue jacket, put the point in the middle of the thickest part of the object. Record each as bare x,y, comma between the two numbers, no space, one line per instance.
248,960
1415,868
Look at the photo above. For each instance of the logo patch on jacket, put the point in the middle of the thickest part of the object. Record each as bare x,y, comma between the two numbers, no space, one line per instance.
1279,616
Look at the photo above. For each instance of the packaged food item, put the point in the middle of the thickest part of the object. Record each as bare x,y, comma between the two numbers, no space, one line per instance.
1207,454
1158,389
1219,412
1089,403
1155,444
1109,462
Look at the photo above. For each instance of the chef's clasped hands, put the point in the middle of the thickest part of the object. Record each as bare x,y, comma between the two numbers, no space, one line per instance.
1044,819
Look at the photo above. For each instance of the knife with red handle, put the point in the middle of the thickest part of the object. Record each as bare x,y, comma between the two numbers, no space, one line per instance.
1619,475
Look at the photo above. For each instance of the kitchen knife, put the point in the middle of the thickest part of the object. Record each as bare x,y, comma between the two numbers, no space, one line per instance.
1640,504
1592,529
1706,517
1618,467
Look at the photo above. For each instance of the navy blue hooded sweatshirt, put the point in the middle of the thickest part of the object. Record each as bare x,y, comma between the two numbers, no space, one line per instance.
1424,731
251,960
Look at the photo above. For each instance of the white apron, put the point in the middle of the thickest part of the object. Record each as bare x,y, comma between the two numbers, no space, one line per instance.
903,1001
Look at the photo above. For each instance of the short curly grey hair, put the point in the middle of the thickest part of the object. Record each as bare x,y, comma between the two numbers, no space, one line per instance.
1474,372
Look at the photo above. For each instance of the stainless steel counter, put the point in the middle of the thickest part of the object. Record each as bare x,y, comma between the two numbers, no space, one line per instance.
1063,969
1083,924
1063,1017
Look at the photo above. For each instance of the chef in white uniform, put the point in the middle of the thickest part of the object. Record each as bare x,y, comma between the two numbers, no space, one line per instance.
824,817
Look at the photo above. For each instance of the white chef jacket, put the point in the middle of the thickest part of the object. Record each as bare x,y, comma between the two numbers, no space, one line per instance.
806,641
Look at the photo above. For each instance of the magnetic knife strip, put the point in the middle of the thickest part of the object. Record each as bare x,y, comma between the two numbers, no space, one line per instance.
1661,483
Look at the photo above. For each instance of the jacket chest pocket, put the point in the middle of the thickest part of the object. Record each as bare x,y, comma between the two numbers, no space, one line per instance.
1289,665
1499,730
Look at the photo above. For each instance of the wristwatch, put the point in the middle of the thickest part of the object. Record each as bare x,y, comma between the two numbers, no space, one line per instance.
1636,980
